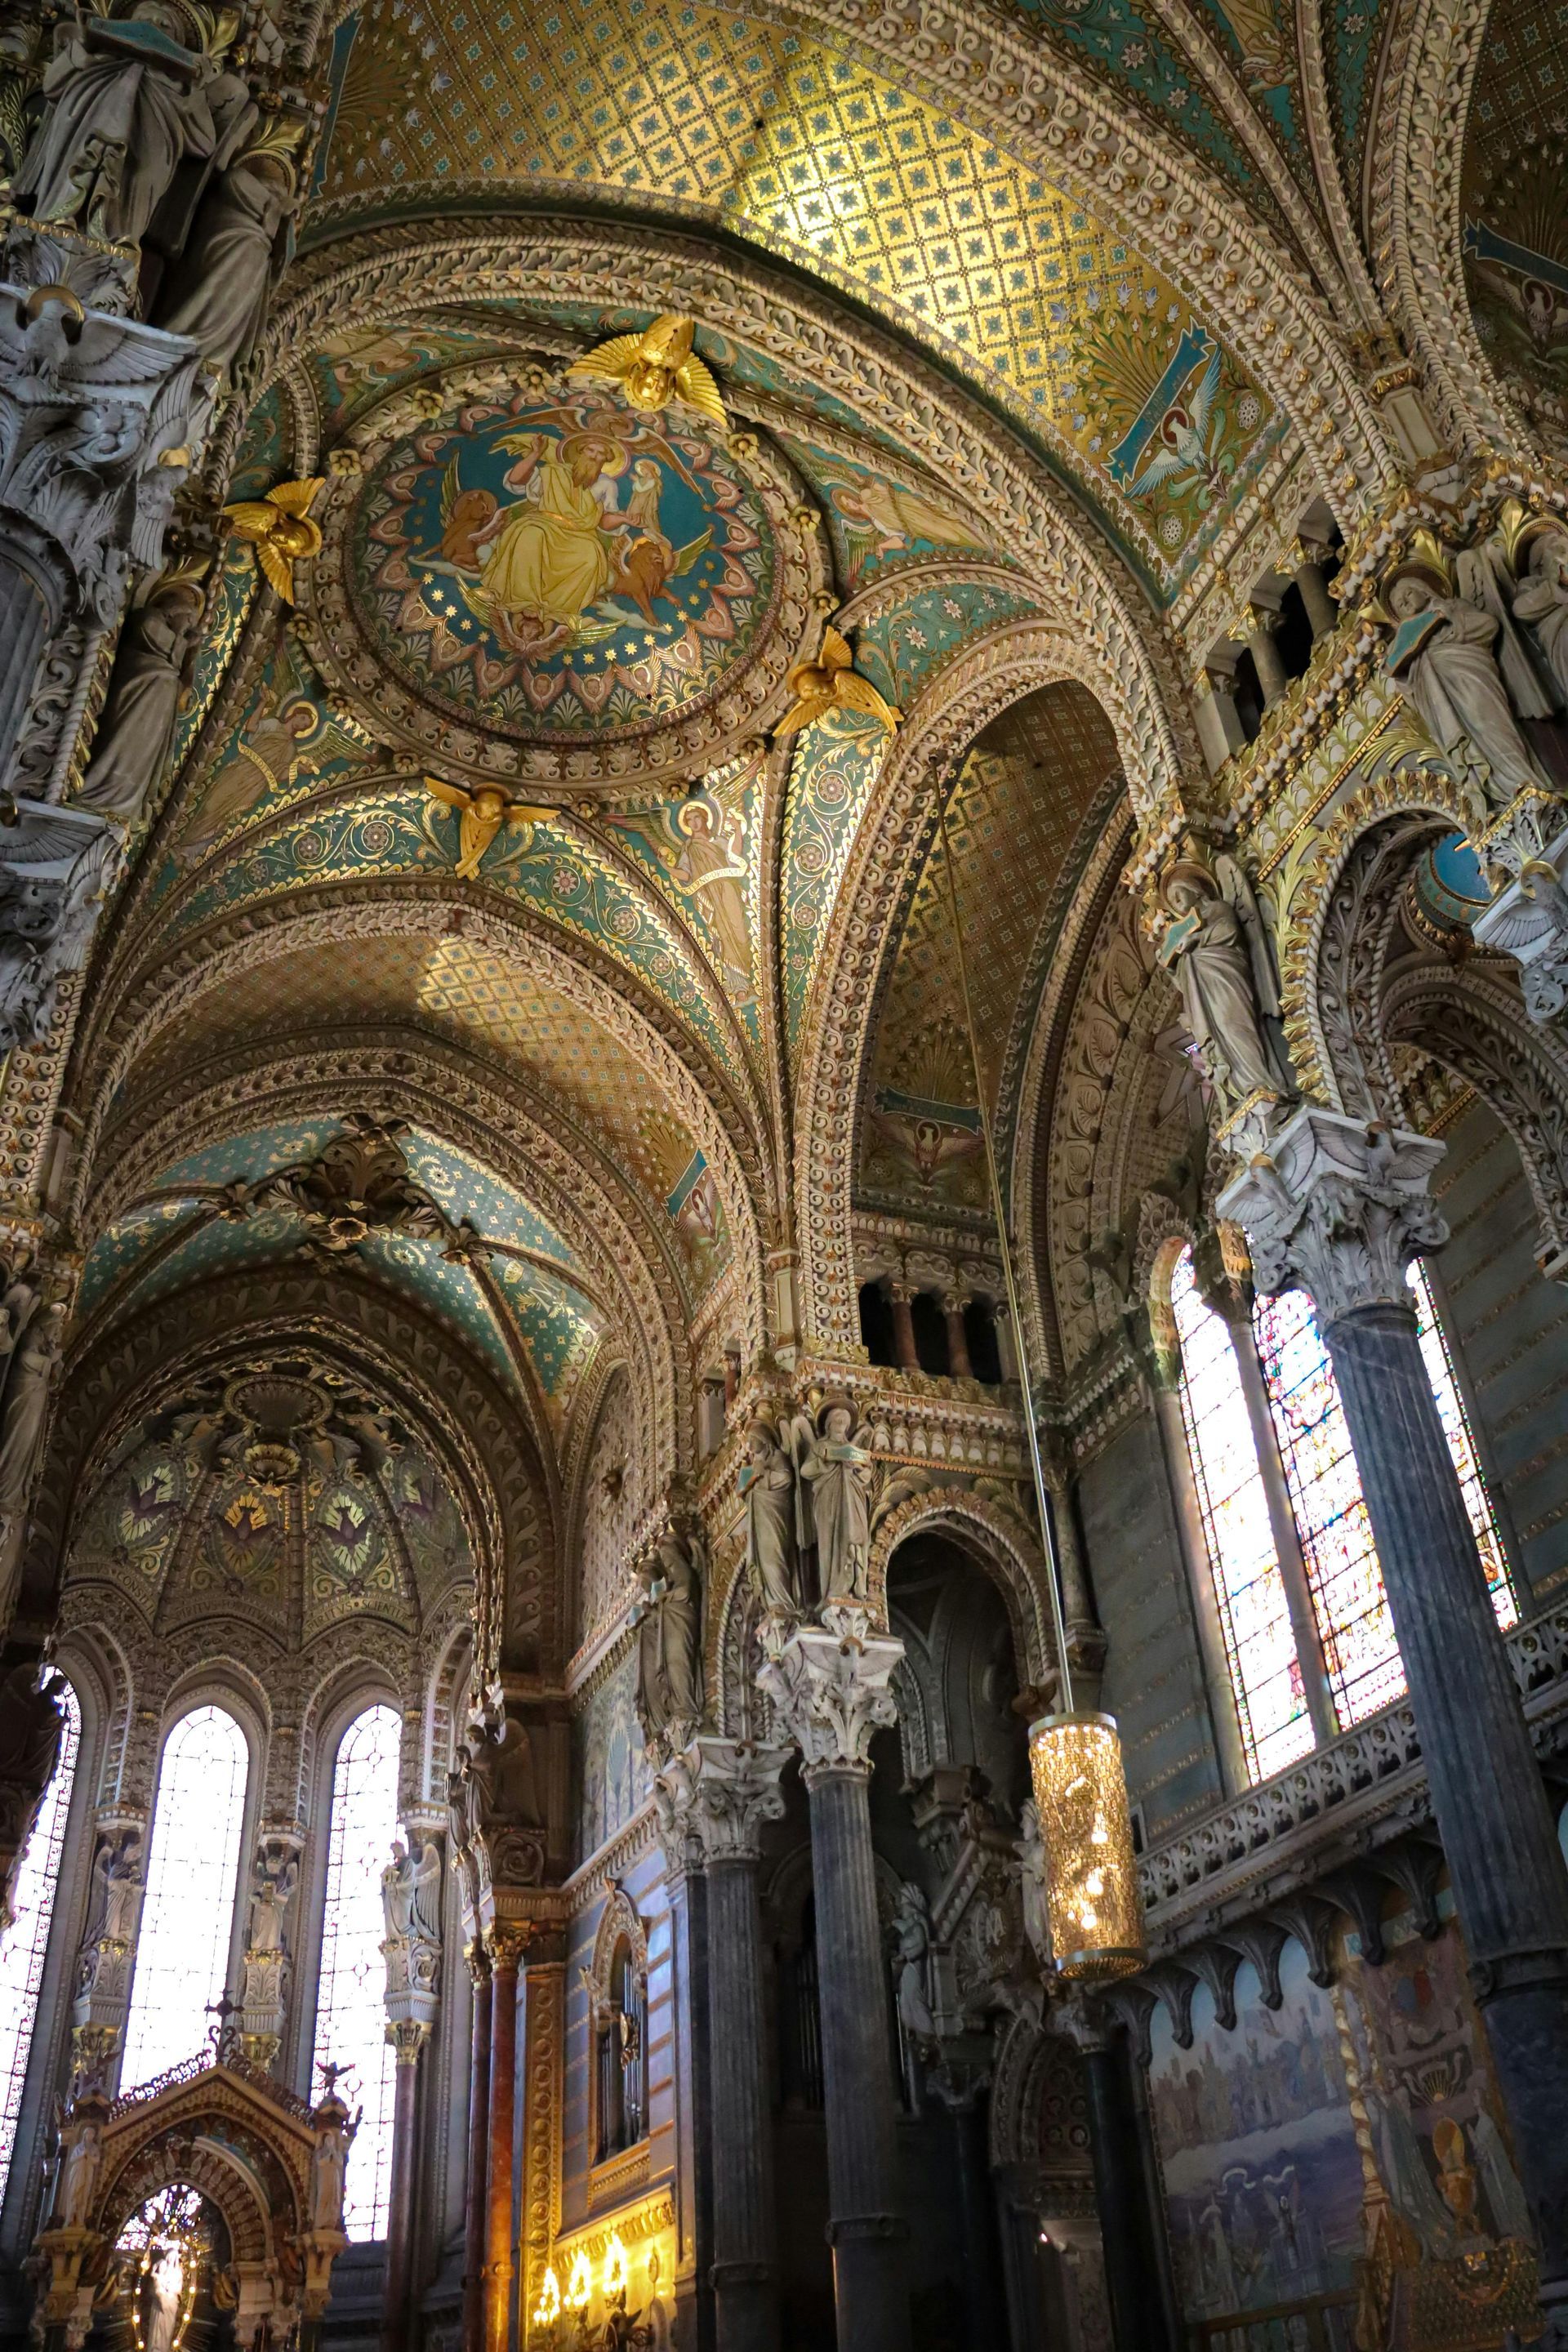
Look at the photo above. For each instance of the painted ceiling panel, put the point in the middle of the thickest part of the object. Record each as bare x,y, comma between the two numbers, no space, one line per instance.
819,160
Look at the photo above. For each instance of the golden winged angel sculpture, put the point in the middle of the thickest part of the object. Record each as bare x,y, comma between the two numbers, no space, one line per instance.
656,367
281,529
831,683
484,810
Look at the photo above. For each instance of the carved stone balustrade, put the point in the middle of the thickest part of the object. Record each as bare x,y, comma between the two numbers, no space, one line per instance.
1366,1789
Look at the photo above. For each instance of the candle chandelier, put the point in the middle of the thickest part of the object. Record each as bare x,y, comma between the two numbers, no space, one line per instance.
1093,1901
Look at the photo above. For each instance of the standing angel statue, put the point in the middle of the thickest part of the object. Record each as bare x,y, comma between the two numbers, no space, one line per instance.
411,1895
1215,947
669,1616
835,1469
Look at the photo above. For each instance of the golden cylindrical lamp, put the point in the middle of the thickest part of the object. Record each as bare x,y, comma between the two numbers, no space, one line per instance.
1093,1898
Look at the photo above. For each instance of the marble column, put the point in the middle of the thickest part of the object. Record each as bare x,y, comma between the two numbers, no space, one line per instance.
958,1364
685,1884
506,1946
906,1355
1128,2223
829,1688
543,2035
1340,1209
1266,660
733,1789
476,2211
408,2038
1322,613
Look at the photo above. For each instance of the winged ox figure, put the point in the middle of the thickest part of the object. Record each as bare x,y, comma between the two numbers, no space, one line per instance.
656,367
832,683
281,529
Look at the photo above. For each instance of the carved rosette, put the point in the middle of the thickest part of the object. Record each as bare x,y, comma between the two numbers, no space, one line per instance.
830,1687
713,1798
1340,1209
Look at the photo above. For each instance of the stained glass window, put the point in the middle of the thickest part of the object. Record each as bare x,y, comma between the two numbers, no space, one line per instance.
25,1944
351,2014
1261,1644
1366,1672
1462,1444
193,1876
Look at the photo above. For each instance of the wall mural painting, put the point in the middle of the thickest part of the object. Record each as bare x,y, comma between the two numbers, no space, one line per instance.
698,1214
1516,260
564,568
700,853
610,1764
133,1525
878,524
1345,2155
834,765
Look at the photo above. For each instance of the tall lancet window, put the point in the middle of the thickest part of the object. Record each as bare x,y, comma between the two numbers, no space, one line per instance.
1254,1616
1462,1445
192,1877
351,2014
25,1944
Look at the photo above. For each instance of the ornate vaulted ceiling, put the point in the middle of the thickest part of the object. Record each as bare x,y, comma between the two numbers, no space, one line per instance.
799,146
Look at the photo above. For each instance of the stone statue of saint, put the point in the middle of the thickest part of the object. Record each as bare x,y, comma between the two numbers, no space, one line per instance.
1444,659
218,291
79,2179
767,1482
129,104
838,1469
117,1888
277,1875
329,2168
19,1301
669,1616
26,1407
1541,599
1216,949
911,1947
152,670
1032,1862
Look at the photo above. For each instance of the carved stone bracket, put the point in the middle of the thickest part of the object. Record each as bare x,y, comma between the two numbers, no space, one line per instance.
1339,1208
714,1797
830,1686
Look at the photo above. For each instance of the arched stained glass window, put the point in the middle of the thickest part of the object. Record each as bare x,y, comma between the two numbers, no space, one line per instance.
1365,1671
351,2013
1462,1445
26,1942
193,1876
1254,1616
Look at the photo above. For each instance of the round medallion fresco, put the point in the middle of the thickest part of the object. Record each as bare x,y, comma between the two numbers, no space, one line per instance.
596,594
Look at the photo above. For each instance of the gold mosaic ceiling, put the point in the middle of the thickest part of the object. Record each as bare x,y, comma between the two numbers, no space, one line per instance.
808,153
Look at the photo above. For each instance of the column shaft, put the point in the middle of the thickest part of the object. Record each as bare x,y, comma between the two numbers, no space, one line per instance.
478,2151
1127,2228
1320,607
502,2169
1268,662
958,1364
744,2283
1488,1795
904,1348
867,2227
400,2218
689,1943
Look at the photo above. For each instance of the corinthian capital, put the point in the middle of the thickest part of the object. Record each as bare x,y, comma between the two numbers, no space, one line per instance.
829,1686
1338,1208
714,1796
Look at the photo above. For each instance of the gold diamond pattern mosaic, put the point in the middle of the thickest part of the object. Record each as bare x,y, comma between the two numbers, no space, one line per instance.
809,153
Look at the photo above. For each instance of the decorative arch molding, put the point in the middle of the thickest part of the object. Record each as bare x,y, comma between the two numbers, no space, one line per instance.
1418,140
526,1138
1473,1021
997,1542
504,1489
618,1920
1013,87
895,835
735,1150
388,272
1404,791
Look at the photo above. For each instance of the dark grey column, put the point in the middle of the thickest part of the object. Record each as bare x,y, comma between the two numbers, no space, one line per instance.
829,1688
1340,1210
1132,2224
688,1889
478,2151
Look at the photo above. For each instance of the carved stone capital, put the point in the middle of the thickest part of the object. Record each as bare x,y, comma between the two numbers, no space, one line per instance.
1340,1209
714,1797
408,2036
830,1687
